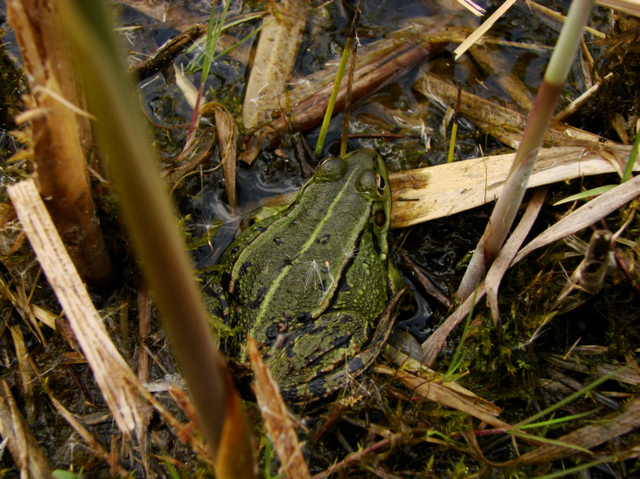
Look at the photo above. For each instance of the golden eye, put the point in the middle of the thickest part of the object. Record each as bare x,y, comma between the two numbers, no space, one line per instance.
381,184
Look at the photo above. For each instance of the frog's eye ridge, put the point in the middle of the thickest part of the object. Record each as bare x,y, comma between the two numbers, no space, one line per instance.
331,169
366,182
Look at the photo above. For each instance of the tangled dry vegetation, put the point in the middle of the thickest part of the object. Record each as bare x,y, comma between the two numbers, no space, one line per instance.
538,380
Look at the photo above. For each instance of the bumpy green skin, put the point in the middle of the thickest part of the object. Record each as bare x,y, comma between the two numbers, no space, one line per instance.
310,282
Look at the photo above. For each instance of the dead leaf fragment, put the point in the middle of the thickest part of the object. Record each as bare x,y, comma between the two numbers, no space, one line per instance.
277,50
276,418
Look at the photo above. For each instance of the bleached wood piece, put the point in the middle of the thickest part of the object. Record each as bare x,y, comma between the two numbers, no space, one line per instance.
427,193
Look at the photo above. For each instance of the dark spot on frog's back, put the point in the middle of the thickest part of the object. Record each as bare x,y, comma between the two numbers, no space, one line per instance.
272,332
303,317
278,241
260,229
244,268
255,304
313,389
324,239
342,342
355,364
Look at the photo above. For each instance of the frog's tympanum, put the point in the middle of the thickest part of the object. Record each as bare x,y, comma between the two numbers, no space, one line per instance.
310,282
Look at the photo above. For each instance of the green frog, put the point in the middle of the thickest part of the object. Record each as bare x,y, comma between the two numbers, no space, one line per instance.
311,282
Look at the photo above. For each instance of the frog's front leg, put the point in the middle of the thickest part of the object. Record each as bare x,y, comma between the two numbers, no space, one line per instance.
221,313
319,357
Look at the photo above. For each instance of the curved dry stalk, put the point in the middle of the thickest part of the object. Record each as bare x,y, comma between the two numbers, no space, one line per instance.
157,241
581,218
507,206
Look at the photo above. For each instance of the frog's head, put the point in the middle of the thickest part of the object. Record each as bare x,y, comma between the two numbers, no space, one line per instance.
352,186
372,184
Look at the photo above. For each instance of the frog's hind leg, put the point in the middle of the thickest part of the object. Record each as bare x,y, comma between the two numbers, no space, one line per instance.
338,371
307,354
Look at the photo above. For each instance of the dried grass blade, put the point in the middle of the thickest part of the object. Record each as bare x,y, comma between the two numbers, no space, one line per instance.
411,365
428,193
482,29
508,252
111,371
277,50
276,418
585,216
436,392
473,7
22,356
226,129
24,447
628,6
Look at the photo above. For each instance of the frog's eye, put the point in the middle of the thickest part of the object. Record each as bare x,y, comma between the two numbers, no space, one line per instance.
331,169
381,184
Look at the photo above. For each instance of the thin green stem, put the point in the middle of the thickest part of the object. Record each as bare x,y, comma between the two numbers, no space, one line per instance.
632,157
334,96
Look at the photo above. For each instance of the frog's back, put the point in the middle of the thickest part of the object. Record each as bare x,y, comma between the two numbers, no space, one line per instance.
292,264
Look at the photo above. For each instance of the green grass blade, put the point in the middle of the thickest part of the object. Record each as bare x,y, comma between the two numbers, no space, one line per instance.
572,470
583,195
334,96
632,156
573,396
546,440
457,357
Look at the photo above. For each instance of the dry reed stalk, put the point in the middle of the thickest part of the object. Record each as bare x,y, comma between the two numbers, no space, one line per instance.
112,373
22,444
60,138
